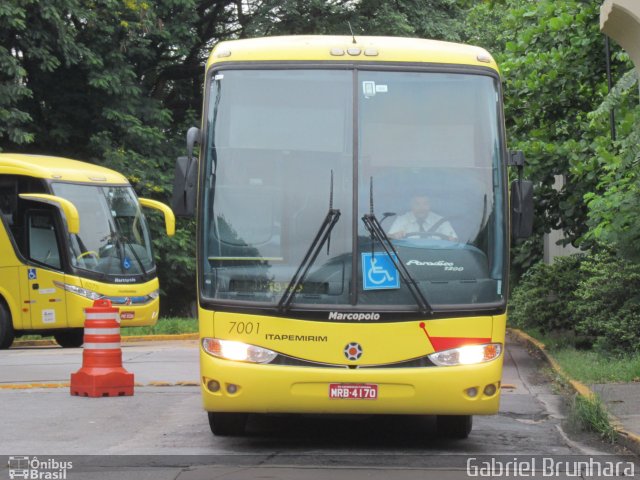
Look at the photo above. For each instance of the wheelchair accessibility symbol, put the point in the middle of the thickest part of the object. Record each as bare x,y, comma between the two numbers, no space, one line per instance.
378,272
32,274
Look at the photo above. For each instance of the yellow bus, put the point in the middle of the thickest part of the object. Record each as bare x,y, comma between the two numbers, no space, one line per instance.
71,233
353,229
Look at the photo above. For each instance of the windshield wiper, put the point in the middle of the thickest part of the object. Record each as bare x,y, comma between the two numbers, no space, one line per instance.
375,229
323,236
135,255
309,258
122,243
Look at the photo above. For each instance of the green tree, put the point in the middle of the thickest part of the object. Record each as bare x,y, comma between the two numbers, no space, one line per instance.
437,19
552,59
615,203
32,38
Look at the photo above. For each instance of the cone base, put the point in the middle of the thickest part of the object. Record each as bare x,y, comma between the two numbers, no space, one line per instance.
100,382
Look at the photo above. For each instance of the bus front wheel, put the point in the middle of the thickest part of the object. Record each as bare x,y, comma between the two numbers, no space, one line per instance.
7,333
454,426
227,424
71,338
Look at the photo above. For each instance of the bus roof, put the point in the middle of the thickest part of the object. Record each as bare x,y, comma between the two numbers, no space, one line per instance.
337,48
58,168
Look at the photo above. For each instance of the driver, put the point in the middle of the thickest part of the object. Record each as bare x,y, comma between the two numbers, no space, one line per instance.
422,222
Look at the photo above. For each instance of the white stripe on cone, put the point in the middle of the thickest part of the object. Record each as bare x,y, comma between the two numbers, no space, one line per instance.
102,331
102,346
102,316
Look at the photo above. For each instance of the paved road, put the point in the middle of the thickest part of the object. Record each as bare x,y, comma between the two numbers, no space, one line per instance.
162,432
163,362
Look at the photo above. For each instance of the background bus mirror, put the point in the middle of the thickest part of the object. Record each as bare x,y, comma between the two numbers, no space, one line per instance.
183,201
169,217
68,209
521,208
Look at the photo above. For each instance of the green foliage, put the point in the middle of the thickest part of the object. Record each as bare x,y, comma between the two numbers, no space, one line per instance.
439,19
177,268
552,58
607,303
614,204
597,367
591,300
590,415
542,299
165,326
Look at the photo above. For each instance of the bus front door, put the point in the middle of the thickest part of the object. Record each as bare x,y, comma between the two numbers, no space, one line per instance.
44,274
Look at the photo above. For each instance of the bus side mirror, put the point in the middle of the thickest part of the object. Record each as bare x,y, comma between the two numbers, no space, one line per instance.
183,201
193,137
521,209
185,182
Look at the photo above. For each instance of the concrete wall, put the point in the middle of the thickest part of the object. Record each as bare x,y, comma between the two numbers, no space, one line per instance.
551,248
620,20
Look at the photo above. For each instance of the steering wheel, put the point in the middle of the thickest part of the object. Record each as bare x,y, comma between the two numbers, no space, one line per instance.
426,235
431,233
89,253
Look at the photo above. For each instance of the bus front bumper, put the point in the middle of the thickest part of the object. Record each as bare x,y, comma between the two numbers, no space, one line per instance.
229,386
130,315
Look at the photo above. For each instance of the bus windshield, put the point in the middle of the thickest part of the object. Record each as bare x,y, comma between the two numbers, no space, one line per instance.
422,151
114,238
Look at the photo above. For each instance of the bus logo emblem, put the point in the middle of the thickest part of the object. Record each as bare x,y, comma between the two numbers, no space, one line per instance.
353,351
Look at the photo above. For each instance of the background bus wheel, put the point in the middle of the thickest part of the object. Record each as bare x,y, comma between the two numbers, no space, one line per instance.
227,424
454,426
74,337
6,328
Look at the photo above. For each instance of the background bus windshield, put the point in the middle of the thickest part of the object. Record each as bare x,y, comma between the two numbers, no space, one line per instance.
114,237
280,150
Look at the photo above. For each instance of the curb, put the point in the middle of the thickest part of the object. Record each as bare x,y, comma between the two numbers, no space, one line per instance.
31,386
625,437
155,338
124,339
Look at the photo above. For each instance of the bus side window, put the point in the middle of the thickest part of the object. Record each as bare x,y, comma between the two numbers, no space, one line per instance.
43,243
8,196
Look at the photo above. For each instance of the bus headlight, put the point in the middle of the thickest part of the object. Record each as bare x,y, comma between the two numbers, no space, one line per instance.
238,351
467,355
83,292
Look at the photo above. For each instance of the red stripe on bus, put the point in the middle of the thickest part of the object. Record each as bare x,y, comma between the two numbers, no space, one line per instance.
446,343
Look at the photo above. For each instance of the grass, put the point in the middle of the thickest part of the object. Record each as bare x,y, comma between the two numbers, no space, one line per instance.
589,366
164,326
591,415
595,367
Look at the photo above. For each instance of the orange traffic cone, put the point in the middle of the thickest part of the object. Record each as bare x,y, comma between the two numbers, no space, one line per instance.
101,374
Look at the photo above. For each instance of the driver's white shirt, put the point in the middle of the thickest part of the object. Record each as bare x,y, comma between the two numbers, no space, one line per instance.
408,223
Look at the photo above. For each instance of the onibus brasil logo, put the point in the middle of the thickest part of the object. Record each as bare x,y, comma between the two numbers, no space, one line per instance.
38,469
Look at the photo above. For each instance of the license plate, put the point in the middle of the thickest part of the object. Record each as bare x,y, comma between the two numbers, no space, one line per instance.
353,391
